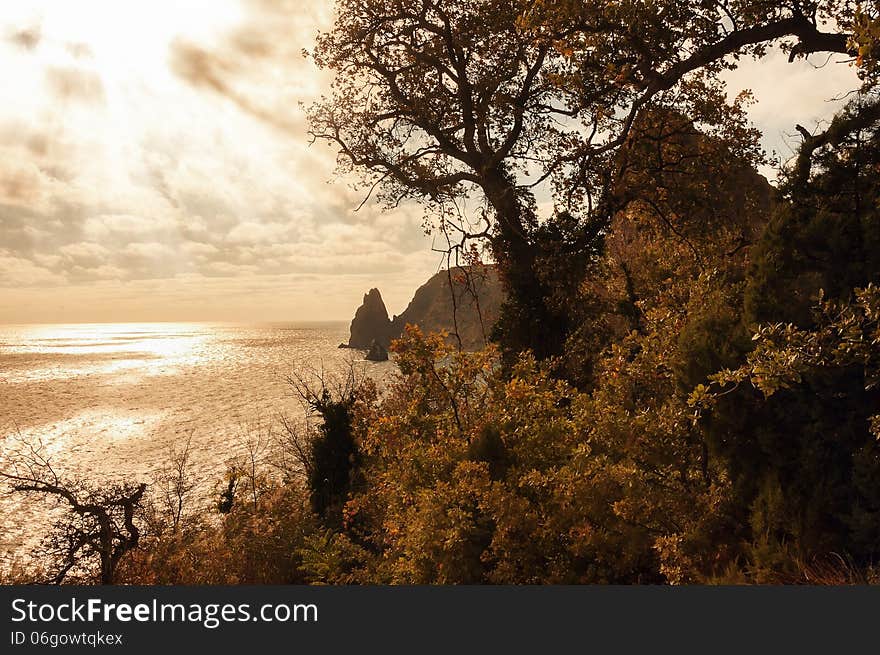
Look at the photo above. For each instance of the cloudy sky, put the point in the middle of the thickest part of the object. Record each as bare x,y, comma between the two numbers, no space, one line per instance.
154,165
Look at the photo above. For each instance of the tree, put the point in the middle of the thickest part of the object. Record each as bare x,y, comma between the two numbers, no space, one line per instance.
798,421
440,100
330,459
827,235
99,525
173,486
433,100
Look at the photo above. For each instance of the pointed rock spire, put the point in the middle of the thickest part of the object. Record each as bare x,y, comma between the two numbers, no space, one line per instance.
370,323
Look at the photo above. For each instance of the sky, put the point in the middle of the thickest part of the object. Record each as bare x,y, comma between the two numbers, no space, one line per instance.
154,165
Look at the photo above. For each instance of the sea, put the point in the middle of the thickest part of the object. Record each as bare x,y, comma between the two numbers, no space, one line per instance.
108,402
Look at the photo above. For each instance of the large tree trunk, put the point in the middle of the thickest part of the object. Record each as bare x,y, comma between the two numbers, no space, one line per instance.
526,322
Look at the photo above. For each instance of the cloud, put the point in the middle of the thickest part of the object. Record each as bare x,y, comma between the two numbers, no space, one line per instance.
85,255
20,272
74,84
174,185
21,183
121,226
79,50
26,139
210,70
259,66
198,250
27,38
250,232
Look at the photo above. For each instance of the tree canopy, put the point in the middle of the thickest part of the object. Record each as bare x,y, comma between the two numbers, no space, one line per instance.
440,100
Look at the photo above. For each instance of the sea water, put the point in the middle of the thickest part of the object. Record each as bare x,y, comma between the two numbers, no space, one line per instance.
109,401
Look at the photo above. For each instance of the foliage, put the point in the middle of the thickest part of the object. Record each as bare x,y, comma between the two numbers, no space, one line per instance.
828,235
815,485
473,476
330,457
247,545
97,527
334,454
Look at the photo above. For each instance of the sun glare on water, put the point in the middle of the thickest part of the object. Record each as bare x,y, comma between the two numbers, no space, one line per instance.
129,351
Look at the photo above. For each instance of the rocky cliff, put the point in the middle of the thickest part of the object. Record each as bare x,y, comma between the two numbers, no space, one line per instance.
370,323
463,301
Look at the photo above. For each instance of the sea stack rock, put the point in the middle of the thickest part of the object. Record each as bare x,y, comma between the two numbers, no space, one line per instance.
371,323
377,352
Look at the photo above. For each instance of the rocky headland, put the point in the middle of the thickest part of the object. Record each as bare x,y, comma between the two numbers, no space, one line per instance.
463,301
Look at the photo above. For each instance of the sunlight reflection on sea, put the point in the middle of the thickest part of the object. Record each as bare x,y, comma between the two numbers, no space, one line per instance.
108,400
